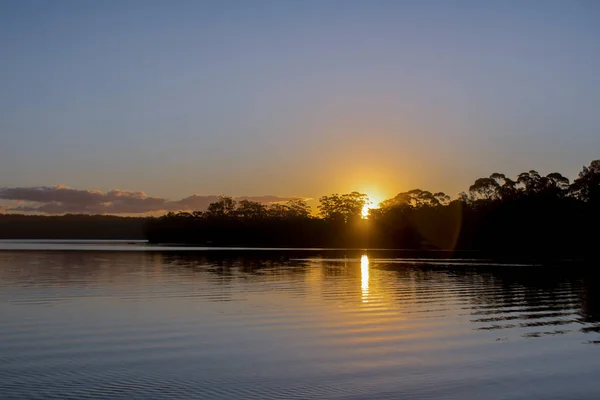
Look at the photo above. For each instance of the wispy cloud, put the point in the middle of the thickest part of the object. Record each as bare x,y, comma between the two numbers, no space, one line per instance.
61,199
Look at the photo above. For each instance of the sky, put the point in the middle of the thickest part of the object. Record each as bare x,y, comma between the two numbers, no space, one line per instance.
167,99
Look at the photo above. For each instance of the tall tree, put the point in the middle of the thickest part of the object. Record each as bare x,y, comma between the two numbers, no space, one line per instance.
342,207
587,186
485,189
417,198
247,209
223,207
298,208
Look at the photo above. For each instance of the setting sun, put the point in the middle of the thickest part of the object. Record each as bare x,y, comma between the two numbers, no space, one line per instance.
371,203
365,210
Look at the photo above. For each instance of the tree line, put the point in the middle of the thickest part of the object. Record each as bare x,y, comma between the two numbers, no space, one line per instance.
530,213
71,226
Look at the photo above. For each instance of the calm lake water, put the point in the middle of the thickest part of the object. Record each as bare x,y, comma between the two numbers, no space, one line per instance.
87,322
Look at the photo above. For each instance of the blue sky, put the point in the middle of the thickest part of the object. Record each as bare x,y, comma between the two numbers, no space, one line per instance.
297,98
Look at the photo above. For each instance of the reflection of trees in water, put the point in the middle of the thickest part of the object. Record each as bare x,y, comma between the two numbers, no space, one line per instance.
72,268
230,269
590,302
124,272
499,297
235,263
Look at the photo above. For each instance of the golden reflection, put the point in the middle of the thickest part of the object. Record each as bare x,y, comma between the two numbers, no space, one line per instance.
364,277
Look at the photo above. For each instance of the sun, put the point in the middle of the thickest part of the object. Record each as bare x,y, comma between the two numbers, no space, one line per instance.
365,210
372,202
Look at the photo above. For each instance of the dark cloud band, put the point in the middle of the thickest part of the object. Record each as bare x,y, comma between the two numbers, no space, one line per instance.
61,199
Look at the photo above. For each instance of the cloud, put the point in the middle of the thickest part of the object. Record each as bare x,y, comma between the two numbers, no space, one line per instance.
55,194
195,202
61,199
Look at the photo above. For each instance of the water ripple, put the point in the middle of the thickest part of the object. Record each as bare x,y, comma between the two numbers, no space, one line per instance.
124,325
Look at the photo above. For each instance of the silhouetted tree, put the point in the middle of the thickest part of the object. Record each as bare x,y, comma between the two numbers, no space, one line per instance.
71,226
587,186
225,206
298,208
530,182
342,207
532,214
485,189
277,210
417,198
250,210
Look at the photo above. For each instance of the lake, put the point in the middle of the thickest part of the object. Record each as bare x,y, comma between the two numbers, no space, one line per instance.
125,320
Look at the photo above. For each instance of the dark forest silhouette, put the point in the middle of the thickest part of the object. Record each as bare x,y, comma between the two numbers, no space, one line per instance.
530,214
71,226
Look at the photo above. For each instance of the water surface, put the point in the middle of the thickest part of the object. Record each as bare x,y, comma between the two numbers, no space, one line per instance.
265,325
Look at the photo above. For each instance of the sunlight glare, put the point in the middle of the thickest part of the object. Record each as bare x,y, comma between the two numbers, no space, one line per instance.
365,210
364,277
371,203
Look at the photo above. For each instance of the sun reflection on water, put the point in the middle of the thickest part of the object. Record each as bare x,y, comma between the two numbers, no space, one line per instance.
364,277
